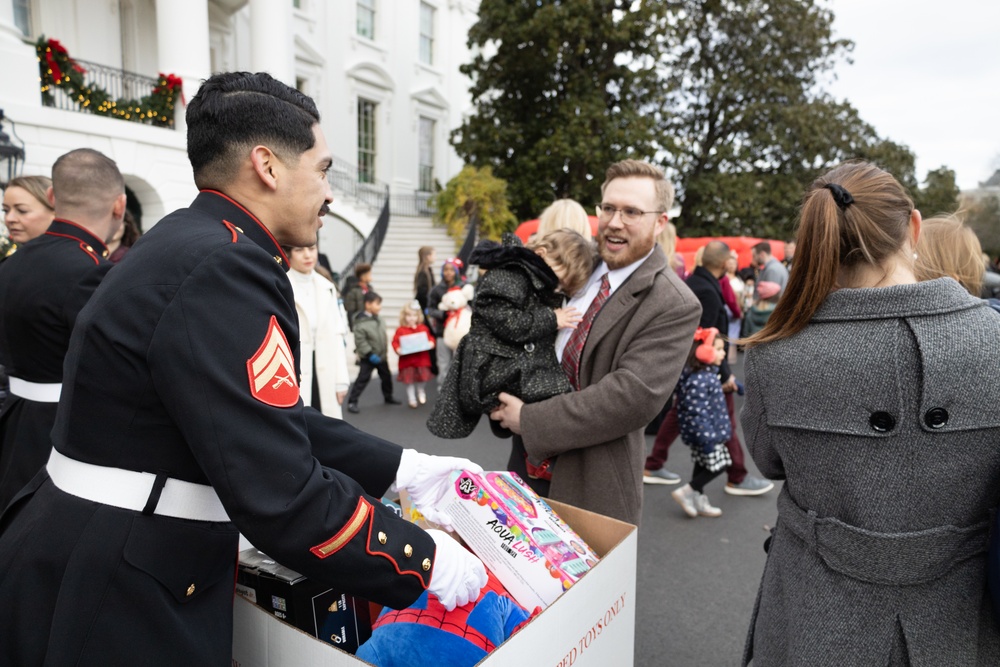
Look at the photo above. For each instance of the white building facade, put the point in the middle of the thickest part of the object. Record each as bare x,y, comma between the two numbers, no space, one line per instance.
384,74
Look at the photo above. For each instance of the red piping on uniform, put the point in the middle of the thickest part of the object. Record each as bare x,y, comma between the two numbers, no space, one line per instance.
83,245
232,228
83,229
371,521
254,218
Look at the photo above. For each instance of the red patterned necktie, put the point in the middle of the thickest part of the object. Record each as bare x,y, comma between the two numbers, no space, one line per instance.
574,346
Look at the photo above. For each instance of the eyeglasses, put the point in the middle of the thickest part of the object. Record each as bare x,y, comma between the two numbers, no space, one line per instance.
629,215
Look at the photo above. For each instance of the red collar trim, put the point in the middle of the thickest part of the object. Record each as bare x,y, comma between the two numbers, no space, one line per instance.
253,217
91,238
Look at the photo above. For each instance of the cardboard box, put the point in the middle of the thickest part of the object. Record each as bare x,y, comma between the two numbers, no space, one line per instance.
336,618
591,625
533,552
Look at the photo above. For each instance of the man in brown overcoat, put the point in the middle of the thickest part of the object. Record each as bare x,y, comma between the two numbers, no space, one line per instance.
628,360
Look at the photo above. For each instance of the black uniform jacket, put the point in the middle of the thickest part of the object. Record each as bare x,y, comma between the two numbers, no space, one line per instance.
180,364
43,287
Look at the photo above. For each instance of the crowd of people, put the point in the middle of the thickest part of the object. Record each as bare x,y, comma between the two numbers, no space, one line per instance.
152,430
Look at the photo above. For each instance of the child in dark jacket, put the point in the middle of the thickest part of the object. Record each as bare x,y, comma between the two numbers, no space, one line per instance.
516,315
372,345
704,421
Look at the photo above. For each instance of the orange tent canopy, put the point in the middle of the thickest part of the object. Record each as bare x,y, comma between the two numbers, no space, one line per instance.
687,247
529,227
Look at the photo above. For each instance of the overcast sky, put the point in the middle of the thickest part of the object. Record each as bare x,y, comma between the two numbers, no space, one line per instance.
927,75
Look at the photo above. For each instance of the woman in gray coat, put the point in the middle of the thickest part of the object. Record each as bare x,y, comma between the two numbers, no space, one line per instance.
877,399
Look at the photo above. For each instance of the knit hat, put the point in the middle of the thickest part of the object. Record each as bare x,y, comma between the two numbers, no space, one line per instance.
767,289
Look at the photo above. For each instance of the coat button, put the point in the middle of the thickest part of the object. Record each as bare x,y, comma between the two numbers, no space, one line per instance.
382,537
190,590
529,348
882,422
936,417
407,551
426,564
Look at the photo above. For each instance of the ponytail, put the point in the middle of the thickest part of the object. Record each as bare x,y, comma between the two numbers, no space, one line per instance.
855,215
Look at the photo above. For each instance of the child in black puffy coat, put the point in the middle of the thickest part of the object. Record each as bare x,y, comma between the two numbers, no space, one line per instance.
516,315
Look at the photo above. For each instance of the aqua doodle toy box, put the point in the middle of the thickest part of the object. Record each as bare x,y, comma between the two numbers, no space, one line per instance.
534,553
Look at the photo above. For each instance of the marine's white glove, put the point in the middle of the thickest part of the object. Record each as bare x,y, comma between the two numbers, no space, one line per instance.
427,478
458,575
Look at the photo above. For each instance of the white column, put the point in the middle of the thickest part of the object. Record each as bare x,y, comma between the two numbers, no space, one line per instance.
182,45
19,71
271,41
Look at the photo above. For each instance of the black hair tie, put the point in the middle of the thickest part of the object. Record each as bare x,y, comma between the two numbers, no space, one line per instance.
840,195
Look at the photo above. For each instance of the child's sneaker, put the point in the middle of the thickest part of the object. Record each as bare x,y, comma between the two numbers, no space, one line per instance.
705,508
421,396
685,497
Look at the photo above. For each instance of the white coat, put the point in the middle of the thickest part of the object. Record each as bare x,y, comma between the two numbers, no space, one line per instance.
329,344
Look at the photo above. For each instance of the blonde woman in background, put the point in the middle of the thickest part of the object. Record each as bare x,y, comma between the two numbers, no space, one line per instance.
668,242
948,248
564,214
27,211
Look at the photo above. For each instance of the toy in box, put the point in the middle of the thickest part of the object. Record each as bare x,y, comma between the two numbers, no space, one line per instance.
517,535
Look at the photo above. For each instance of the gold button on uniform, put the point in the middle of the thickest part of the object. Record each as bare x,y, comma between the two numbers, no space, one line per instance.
382,537
426,564
190,590
407,551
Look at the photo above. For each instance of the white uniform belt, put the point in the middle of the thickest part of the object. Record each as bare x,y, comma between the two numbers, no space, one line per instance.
42,392
131,490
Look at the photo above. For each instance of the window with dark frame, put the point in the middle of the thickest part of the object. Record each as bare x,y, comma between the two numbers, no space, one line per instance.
426,175
366,140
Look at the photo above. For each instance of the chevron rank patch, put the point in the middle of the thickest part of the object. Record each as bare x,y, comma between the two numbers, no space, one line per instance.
272,370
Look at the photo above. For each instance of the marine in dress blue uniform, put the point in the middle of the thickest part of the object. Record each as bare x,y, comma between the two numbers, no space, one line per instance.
43,287
184,366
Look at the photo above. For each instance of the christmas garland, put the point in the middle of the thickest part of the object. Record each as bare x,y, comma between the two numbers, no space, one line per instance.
57,69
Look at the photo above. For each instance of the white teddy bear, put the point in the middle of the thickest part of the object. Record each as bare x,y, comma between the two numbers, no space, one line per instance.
459,319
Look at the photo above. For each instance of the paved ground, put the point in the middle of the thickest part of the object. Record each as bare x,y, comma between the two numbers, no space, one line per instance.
697,577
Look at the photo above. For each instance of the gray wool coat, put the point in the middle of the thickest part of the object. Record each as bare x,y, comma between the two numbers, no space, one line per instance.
632,358
883,418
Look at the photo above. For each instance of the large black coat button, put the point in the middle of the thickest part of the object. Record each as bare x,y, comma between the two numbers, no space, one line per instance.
936,417
882,422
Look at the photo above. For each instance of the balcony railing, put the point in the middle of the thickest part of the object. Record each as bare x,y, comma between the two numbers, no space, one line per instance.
414,204
347,178
118,83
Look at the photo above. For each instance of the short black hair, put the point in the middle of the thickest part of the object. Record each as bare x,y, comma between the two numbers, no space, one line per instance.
235,111
371,296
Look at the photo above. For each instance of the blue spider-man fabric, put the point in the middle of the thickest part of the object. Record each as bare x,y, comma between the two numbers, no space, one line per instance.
426,633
